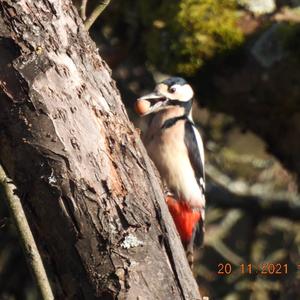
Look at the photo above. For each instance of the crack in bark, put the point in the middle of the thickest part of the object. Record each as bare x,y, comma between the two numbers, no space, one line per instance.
78,196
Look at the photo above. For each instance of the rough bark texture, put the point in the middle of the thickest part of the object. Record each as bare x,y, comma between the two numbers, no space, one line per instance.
92,198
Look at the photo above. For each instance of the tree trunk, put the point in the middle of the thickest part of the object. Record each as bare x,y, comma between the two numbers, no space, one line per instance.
89,190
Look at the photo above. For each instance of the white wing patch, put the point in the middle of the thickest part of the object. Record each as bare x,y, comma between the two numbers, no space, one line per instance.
201,151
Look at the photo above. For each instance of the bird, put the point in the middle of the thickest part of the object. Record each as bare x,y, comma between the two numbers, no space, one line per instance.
176,147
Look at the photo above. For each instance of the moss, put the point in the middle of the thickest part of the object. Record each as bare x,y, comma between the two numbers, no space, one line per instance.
183,34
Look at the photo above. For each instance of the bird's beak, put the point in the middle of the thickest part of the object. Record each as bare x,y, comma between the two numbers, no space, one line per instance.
149,103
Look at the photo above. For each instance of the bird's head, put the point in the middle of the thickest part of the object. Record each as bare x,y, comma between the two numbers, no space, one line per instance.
174,91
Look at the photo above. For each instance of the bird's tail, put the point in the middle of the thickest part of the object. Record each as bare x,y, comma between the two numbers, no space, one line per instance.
187,221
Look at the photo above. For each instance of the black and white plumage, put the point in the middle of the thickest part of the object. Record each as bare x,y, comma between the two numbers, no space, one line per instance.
194,145
175,146
173,142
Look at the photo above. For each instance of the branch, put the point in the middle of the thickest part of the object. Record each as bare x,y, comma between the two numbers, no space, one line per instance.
83,9
214,238
96,13
220,194
29,246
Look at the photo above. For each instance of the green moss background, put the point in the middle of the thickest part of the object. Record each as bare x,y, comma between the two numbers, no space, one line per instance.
188,32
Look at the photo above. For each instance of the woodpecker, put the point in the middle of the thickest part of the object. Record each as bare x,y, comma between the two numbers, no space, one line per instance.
176,148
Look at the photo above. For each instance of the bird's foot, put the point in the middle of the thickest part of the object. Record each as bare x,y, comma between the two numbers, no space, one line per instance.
190,258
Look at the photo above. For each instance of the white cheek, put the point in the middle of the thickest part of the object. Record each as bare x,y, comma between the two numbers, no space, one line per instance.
185,93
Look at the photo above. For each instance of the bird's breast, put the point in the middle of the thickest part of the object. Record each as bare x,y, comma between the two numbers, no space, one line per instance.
168,151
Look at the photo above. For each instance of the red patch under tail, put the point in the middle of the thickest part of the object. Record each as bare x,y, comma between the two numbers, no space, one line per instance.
184,218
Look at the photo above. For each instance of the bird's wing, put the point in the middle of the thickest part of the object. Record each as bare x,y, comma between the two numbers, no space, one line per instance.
194,145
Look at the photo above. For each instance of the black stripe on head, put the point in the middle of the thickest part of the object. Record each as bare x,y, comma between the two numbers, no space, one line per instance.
174,80
187,105
170,122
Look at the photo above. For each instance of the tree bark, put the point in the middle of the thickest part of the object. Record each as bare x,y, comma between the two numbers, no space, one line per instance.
88,187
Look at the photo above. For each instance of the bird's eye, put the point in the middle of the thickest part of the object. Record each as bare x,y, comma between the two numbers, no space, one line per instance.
172,89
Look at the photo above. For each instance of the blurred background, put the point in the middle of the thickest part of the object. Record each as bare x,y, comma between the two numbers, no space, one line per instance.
242,58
